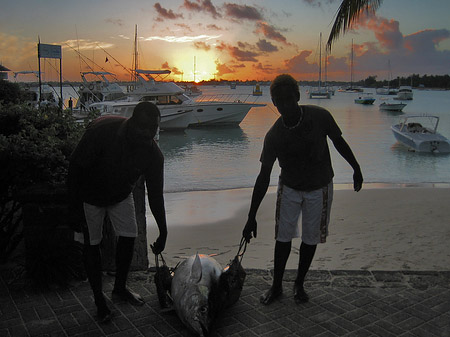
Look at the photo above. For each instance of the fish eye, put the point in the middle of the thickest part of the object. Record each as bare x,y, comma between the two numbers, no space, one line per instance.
203,310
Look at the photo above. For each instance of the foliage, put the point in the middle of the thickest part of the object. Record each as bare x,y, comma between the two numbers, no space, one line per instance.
35,145
415,80
9,92
54,258
348,13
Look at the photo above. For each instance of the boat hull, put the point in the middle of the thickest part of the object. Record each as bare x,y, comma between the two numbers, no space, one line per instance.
313,95
365,101
220,113
181,116
421,142
404,96
175,119
392,106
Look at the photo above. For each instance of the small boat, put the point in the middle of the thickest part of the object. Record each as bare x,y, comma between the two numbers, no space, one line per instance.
192,90
257,91
351,88
320,92
419,133
404,93
386,91
387,106
367,99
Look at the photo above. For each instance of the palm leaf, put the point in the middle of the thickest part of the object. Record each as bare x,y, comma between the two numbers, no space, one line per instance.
348,12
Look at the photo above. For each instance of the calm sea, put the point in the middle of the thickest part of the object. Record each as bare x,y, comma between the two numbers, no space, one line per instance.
226,158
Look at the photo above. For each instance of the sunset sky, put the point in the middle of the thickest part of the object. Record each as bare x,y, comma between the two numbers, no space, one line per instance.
241,40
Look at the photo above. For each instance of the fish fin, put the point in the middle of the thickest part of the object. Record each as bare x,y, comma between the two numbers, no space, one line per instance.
196,271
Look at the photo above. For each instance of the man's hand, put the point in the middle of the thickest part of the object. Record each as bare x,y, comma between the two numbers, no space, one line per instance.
357,180
249,229
159,245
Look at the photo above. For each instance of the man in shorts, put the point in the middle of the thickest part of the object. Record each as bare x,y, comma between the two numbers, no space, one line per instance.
104,168
298,139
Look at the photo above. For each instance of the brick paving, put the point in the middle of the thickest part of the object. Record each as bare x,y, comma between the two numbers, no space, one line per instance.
343,303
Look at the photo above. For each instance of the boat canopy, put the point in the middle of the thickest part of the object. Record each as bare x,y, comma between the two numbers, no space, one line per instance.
153,72
26,72
96,73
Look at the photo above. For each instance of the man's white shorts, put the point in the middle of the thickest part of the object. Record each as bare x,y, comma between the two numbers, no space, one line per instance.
313,206
122,216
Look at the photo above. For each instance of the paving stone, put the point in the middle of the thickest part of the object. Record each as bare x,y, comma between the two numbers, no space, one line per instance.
343,303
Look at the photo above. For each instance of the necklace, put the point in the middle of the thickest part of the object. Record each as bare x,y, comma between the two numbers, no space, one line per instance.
298,123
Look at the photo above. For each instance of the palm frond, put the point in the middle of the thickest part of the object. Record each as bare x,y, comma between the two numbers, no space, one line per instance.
348,12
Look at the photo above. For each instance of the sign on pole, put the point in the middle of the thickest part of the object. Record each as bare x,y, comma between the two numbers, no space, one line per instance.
49,51
53,52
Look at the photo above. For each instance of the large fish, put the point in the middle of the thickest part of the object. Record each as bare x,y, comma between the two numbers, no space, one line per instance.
195,294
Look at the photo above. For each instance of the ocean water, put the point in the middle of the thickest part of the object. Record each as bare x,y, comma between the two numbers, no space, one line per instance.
217,158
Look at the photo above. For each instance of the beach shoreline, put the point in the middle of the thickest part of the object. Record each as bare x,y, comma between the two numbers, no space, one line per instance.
382,227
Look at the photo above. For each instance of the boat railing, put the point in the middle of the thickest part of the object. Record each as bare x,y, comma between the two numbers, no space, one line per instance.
227,98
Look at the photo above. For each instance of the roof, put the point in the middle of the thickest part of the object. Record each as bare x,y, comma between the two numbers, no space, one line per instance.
3,68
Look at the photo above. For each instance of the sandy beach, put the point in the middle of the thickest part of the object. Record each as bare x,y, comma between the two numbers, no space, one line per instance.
388,228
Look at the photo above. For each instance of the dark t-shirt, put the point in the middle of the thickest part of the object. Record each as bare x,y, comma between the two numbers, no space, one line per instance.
302,152
104,167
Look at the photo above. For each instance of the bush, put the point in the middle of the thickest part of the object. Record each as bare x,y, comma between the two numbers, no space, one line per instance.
9,92
35,145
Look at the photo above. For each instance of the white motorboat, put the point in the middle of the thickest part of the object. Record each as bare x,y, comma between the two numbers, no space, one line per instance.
31,94
404,93
419,133
386,91
178,111
96,88
388,106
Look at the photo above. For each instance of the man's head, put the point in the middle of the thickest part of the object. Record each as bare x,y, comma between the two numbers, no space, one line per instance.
144,123
285,92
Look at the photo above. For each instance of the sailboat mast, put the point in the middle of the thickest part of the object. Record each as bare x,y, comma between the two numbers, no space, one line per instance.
135,57
320,60
195,65
325,63
351,68
390,74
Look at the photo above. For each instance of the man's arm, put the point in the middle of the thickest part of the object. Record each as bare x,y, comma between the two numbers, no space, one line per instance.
344,150
155,186
259,191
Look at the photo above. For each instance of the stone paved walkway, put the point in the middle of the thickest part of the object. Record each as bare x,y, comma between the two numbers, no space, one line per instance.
343,303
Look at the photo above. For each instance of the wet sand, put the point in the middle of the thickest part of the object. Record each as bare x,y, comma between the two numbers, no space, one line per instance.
406,228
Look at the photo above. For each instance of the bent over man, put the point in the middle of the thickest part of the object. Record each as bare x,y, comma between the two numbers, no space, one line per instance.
104,168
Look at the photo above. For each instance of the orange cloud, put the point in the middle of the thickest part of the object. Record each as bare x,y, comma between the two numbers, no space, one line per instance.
386,31
270,32
223,69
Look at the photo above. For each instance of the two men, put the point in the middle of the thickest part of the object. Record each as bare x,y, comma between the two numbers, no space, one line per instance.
104,168
298,139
